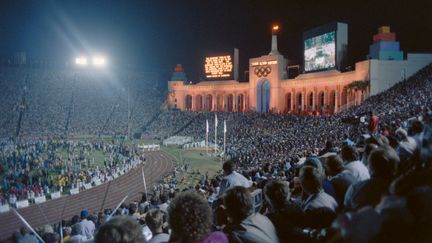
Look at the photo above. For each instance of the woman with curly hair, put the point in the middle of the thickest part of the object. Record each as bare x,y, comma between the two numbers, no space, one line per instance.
190,219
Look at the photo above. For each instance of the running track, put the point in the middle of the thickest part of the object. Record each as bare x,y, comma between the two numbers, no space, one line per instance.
157,165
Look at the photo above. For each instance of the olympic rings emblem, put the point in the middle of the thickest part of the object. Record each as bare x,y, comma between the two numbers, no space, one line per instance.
262,71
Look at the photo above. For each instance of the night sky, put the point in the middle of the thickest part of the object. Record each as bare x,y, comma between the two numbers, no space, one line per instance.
155,35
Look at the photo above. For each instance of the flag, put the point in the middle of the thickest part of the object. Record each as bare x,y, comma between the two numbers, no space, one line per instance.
207,126
225,128
216,121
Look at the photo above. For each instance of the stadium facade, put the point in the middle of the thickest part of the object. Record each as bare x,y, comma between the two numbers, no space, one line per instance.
322,92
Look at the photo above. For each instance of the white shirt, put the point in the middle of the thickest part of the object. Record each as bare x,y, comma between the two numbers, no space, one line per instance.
358,170
319,200
234,179
87,228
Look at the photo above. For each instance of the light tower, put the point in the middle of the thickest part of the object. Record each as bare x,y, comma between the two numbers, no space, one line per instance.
274,48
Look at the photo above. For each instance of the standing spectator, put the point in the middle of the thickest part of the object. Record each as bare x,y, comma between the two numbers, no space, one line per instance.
373,123
246,225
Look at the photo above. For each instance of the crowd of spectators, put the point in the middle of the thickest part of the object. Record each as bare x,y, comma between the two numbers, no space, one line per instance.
34,168
55,102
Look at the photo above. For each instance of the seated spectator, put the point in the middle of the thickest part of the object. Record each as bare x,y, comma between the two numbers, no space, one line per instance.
24,236
232,178
120,229
340,178
353,164
286,216
383,164
315,197
326,184
154,220
190,219
246,225
329,148
77,234
367,150
164,203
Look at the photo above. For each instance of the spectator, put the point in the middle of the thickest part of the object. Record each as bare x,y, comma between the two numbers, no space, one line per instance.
373,123
120,229
407,145
340,178
87,226
154,220
326,184
77,234
353,165
246,225
315,197
190,219
286,216
383,164
232,178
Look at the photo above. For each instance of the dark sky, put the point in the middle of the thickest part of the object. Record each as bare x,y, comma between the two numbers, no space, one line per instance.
158,34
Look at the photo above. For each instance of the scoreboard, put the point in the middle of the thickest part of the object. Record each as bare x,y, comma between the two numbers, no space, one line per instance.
218,67
221,67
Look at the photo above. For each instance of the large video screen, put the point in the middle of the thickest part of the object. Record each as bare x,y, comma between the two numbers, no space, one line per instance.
218,67
320,52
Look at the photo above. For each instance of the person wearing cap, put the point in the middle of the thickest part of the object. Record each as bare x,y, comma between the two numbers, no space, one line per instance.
87,226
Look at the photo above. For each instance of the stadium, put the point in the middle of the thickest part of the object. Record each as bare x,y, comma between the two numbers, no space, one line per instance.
320,146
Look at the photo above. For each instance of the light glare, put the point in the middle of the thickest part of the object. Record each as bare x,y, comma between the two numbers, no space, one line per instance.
81,61
99,61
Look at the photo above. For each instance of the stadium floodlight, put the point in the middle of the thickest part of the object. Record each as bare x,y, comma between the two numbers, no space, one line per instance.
99,61
81,61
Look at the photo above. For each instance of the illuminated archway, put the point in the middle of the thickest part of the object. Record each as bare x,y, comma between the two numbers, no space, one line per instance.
299,102
288,102
188,101
209,102
310,102
263,96
240,102
230,103
332,101
321,101
198,103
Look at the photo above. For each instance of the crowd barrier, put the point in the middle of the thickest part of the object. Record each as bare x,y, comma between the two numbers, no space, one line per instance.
149,147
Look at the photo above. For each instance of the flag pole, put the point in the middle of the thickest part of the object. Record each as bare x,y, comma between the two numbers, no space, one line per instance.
207,131
145,185
224,147
216,123
27,225
115,209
